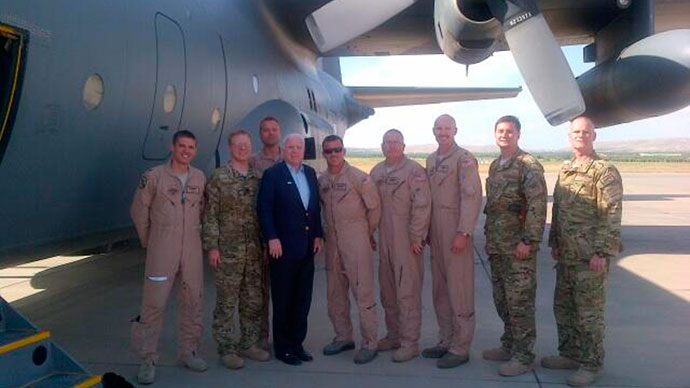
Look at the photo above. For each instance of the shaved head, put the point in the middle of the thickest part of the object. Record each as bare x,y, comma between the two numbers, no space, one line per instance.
582,135
445,117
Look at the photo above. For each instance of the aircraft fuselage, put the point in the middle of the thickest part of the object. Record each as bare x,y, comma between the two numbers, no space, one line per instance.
69,169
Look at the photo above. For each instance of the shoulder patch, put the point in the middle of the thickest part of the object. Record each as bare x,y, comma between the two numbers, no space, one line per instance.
468,162
607,180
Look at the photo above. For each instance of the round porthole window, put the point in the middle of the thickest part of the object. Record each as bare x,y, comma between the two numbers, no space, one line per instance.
215,119
92,95
169,99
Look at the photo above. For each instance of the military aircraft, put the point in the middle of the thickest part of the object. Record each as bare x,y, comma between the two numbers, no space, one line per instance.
91,92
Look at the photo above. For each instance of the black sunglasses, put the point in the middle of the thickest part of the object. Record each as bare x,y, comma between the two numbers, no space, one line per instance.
332,150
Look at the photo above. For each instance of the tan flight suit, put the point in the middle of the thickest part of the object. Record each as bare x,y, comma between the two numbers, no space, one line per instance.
170,230
456,192
261,163
405,217
352,211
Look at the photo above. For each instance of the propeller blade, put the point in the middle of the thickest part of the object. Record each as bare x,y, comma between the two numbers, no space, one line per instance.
340,21
540,59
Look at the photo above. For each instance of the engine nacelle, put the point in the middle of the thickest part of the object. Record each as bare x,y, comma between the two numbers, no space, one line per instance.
466,30
650,78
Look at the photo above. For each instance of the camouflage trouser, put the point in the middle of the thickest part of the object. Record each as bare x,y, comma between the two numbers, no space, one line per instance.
515,287
239,285
266,268
579,302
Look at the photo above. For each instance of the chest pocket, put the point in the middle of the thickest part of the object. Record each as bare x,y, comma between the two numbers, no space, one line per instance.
582,191
495,188
341,192
172,193
348,202
399,195
445,186
440,173
193,195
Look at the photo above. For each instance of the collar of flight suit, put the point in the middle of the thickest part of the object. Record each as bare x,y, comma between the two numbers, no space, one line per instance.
169,170
263,156
345,169
396,167
440,159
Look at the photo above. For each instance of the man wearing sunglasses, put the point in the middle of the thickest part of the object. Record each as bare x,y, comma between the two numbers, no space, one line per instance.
352,211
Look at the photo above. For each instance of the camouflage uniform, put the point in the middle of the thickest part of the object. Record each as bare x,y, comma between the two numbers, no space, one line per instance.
510,186
587,208
231,225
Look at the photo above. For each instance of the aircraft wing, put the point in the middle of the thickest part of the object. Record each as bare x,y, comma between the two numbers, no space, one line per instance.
379,97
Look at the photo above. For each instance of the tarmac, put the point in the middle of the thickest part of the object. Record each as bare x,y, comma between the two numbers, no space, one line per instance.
87,301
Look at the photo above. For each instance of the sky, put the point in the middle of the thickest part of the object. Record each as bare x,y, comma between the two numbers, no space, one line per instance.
476,118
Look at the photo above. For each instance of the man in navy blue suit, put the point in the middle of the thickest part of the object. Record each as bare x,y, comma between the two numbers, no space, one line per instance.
290,219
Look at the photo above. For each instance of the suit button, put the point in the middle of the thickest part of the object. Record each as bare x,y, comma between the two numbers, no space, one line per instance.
306,214
306,228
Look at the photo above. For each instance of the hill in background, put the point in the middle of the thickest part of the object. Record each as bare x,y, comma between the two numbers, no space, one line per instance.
671,145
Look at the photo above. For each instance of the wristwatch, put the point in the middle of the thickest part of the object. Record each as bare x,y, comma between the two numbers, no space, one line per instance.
526,241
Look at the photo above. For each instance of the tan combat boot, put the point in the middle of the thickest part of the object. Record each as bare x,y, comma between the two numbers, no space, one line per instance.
514,368
147,373
387,343
582,377
496,354
559,362
255,353
193,362
232,361
264,344
405,354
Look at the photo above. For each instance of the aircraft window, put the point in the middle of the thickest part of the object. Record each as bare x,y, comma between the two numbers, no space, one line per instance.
310,148
255,84
215,119
169,99
305,123
93,92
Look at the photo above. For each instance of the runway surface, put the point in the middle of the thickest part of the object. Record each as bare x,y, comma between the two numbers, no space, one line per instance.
87,302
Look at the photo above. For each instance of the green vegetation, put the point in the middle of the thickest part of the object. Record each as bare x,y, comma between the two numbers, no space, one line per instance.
626,162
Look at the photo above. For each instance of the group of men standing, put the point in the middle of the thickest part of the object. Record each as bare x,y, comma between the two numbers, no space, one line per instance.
262,220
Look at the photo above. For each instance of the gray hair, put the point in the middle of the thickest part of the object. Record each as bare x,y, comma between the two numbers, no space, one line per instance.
396,131
293,136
